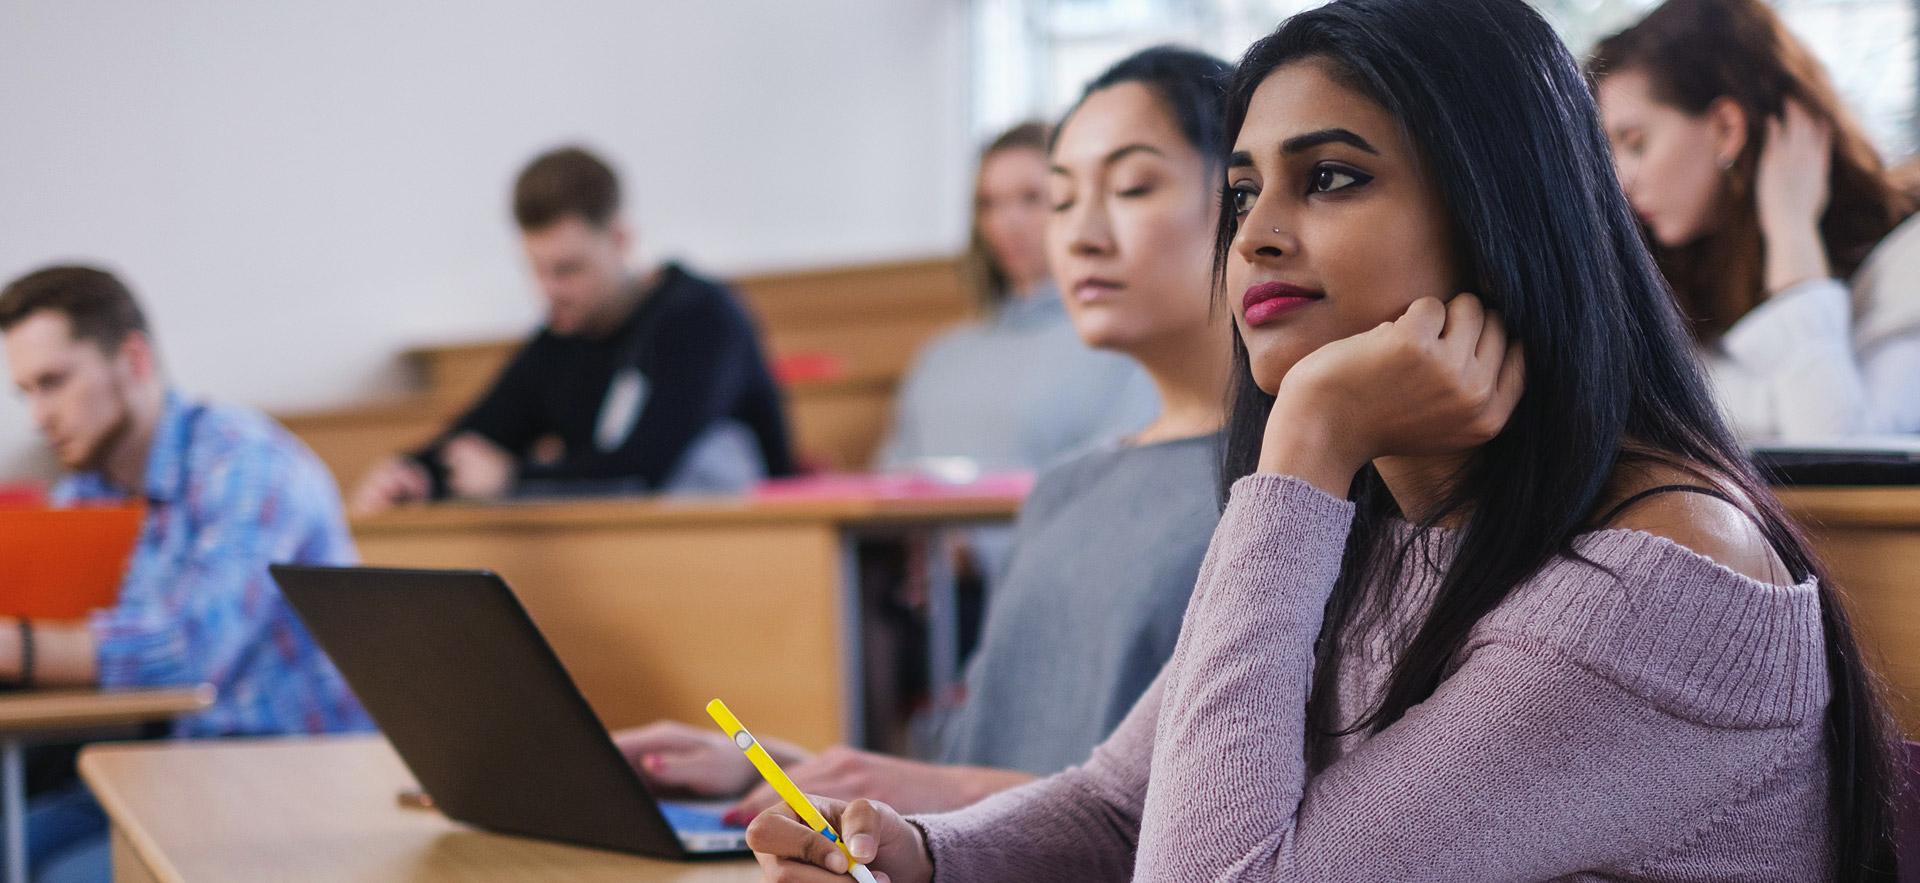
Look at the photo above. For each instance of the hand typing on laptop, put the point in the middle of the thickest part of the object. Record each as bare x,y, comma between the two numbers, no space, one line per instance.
910,786
696,760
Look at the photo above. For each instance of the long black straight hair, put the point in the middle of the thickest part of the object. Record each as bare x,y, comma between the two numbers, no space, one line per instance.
1506,124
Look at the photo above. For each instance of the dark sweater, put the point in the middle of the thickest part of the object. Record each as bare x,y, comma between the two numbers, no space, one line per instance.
699,364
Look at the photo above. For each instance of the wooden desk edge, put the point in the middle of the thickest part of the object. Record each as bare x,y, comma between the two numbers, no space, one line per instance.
122,824
691,511
1853,506
87,708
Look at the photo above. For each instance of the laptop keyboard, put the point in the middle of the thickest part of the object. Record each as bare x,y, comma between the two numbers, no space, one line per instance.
700,828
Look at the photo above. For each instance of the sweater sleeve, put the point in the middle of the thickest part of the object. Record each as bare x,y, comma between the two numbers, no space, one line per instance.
1078,825
1791,366
1524,764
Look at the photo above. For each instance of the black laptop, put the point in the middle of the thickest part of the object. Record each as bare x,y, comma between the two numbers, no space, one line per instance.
1858,462
480,709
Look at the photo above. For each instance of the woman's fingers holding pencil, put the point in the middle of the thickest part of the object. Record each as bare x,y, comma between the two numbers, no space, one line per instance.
794,848
791,852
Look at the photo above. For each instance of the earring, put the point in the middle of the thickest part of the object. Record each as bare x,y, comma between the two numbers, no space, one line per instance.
1276,231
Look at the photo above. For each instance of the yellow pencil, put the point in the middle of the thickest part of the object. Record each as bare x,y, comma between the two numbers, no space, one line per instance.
777,777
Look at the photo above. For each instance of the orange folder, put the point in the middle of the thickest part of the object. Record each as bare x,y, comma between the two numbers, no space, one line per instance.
63,563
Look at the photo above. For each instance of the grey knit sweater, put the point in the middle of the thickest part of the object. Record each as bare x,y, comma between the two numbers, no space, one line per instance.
1662,723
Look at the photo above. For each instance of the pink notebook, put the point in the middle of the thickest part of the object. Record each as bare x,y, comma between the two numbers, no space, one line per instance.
841,486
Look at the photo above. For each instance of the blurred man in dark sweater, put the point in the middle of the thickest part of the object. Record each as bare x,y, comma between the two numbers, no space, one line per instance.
639,382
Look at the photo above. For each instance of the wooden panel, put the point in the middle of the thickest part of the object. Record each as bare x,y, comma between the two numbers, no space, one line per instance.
654,620
1875,569
351,441
322,810
1897,507
1870,539
853,294
457,375
878,352
841,429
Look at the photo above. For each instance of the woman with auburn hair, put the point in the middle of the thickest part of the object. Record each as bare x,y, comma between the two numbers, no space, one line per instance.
1785,241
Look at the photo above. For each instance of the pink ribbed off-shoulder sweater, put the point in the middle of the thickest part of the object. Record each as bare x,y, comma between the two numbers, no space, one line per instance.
1662,722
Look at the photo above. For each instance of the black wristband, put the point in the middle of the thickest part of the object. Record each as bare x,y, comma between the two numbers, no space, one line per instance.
26,653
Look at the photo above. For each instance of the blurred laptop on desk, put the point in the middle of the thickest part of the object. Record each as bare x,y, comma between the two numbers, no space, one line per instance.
1867,460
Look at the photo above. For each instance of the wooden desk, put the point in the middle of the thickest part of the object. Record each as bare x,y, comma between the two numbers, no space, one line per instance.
321,810
656,607
26,715
44,711
1870,539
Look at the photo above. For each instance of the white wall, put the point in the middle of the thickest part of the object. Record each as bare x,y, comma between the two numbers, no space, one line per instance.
298,190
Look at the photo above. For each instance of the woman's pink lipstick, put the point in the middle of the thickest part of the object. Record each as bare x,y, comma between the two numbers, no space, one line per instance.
1268,301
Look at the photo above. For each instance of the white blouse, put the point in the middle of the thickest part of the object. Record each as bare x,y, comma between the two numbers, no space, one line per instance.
1819,361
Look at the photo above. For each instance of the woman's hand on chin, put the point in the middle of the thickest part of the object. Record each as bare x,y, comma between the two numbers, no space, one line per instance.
1441,379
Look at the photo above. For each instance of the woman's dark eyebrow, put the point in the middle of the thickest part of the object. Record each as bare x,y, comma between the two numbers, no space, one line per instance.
1311,140
1240,159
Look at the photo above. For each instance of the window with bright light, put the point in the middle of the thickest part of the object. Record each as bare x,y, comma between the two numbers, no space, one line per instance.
1032,56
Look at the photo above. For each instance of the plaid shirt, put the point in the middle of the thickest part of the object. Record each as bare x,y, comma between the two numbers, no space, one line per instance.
228,492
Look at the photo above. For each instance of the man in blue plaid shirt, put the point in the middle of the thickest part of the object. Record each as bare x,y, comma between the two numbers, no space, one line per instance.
227,492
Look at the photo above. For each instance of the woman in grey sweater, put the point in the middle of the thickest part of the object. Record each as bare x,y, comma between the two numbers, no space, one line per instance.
1108,545
1495,596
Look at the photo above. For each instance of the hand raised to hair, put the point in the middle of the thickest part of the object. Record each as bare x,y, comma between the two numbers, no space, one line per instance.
1790,195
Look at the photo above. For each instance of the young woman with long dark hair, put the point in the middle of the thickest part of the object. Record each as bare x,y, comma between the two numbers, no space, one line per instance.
1495,595
1787,244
